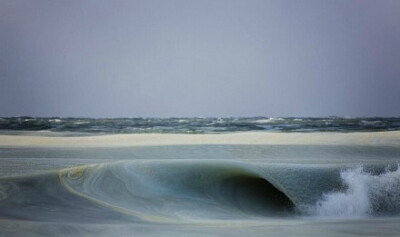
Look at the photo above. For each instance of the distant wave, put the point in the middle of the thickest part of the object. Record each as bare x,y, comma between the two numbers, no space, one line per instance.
269,120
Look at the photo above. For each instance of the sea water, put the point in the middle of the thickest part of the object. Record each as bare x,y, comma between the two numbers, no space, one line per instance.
306,189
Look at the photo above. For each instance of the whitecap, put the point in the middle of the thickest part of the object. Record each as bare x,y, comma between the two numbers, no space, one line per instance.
268,120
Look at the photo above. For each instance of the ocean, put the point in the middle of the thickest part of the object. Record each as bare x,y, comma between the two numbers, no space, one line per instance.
255,176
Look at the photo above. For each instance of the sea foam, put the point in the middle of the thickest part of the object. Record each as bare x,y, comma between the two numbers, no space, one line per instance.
365,195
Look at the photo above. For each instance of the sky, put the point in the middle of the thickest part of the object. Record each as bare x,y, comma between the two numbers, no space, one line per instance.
184,58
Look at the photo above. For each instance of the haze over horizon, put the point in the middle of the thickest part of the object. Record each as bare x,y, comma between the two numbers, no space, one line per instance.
200,58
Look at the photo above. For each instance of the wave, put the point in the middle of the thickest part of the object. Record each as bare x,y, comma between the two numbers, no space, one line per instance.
269,120
193,190
179,190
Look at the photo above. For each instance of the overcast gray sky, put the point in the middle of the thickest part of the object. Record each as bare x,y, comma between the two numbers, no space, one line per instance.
199,58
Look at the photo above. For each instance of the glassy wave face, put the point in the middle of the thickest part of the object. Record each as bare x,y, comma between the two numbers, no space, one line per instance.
197,125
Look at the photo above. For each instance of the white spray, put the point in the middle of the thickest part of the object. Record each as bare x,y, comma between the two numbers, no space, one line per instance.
366,195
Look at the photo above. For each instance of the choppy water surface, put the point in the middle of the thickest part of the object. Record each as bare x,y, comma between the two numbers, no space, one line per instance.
195,125
201,190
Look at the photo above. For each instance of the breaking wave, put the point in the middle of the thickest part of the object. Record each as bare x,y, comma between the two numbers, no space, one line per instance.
365,194
180,191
